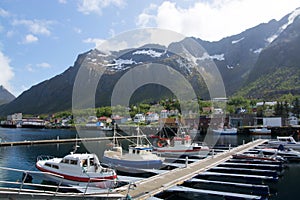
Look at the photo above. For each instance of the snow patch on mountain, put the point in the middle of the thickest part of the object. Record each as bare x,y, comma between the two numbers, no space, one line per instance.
121,64
206,56
257,51
236,41
150,52
291,19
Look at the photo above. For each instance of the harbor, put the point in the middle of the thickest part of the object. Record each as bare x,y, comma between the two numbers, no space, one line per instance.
219,175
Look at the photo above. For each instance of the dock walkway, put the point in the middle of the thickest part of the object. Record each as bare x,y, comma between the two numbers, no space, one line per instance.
149,187
57,141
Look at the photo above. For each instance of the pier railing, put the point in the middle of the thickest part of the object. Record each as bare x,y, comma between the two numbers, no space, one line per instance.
24,187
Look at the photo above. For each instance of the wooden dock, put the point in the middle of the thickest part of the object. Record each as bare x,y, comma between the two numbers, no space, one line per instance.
58,141
151,186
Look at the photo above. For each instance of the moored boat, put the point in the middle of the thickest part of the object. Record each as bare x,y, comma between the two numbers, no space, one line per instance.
138,159
180,146
286,141
77,169
259,156
225,131
260,131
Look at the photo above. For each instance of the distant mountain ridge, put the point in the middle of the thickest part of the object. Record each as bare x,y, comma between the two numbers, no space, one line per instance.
5,96
254,63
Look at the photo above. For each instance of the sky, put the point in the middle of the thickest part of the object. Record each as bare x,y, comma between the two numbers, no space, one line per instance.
41,39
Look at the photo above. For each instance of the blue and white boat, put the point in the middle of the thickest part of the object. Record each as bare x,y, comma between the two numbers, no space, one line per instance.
225,131
138,159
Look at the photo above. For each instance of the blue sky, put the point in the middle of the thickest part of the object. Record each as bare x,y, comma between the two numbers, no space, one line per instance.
41,39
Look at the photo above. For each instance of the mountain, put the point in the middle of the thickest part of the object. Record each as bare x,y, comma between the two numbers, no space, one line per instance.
253,63
236,56
5,96
277,69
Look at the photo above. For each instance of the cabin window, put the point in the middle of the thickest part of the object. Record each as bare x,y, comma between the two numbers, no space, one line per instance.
73,162
138,151
48,164
55,166
133,151
84,163
91,161
67,161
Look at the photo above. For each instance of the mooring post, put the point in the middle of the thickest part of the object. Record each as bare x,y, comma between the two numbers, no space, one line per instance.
186,161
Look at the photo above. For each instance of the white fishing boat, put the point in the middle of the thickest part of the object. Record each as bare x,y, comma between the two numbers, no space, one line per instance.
260,131
286,141
180,146
76,169
138,159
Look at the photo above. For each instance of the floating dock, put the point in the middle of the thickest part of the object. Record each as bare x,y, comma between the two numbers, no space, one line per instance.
151,186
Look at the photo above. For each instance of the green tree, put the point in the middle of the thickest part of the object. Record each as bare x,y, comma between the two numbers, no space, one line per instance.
296,107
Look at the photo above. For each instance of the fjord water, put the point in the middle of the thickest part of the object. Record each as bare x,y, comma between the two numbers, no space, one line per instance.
24,157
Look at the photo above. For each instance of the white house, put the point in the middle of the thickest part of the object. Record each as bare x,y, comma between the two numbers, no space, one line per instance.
152,117
139,118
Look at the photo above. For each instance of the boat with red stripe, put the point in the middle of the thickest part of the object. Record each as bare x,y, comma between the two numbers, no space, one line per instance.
77,169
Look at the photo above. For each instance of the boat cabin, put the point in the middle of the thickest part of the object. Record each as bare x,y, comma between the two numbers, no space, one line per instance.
287,139
140,150
88,162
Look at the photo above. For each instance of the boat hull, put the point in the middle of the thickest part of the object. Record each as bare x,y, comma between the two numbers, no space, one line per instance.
225,132
132,166
181,152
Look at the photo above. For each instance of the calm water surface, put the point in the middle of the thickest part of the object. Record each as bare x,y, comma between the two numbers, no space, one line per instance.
24,157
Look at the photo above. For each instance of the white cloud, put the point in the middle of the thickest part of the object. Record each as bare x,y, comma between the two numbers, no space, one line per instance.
95,6
146,17
29,68
213,20
44,65
4,13
62,1
96,41
77,30
6,71
30,39
40,27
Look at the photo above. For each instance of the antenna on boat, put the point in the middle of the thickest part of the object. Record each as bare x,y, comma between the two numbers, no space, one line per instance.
76,146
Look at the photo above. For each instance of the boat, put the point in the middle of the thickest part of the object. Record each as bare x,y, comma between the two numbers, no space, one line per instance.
180,146
260,131
225,131
138,159
83,169
286,153
286,141
259,156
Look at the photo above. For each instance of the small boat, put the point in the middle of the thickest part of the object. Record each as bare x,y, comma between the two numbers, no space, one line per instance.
286,141
138,159
259,156
260,131
77,169
286,153
225,131
180,146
